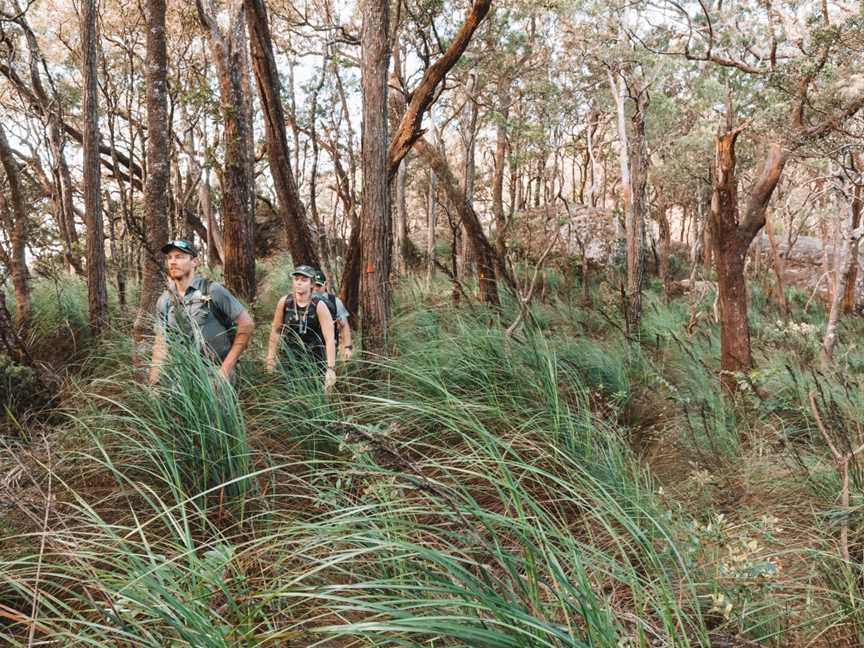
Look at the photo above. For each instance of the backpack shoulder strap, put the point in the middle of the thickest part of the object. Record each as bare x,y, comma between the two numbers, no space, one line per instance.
206,285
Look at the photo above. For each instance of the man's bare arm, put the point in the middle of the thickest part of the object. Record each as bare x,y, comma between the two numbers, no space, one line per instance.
245,325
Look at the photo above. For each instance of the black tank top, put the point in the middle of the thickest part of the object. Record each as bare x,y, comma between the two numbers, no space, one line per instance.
301,328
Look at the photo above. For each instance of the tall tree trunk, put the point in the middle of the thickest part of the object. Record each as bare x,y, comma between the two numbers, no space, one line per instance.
17,232
635,224
845,253
502,91
66,215
300,239
400,229
852,275
665,244
158,160
230,58
97,288
469,169
430,229
323,245
731,241
409,129
779,268
375,229
49,109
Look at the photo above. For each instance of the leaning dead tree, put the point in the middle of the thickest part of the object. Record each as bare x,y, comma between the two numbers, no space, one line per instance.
231,60
300,239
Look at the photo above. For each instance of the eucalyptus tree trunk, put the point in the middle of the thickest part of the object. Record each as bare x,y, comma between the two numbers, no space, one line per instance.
400,229
323,243
430,228
158,155
852,274
633,160
779,267
375,228
635,230
469,169
300,239
97,288
17,232
665,245
231,60
731,238
845,253
502,92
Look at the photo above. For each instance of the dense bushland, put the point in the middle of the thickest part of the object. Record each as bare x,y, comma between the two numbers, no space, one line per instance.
564,487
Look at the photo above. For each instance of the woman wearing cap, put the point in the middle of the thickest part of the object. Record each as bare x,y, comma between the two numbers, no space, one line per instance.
303,325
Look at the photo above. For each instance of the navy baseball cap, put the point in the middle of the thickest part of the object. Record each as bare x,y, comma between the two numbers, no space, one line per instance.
180,244
320,278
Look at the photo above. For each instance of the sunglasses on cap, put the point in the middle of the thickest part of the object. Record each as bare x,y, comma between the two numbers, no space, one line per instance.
179,244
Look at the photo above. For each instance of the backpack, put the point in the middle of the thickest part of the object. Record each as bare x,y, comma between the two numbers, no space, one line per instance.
329,300
221,317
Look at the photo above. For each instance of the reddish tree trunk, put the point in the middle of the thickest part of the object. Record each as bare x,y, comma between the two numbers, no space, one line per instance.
376,226
424,94
731,241
230,58
300,239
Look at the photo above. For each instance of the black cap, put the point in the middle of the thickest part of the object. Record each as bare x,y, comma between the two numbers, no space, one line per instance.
180,244
306,271
320,278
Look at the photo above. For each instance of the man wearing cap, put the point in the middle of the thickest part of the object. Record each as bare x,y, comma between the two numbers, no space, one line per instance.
206,312
340,315
302,329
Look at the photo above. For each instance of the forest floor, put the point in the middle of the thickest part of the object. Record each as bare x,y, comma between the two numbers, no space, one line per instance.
563,488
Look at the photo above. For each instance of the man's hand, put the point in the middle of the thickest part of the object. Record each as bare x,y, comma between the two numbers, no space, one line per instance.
225,371
329,380
346,353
